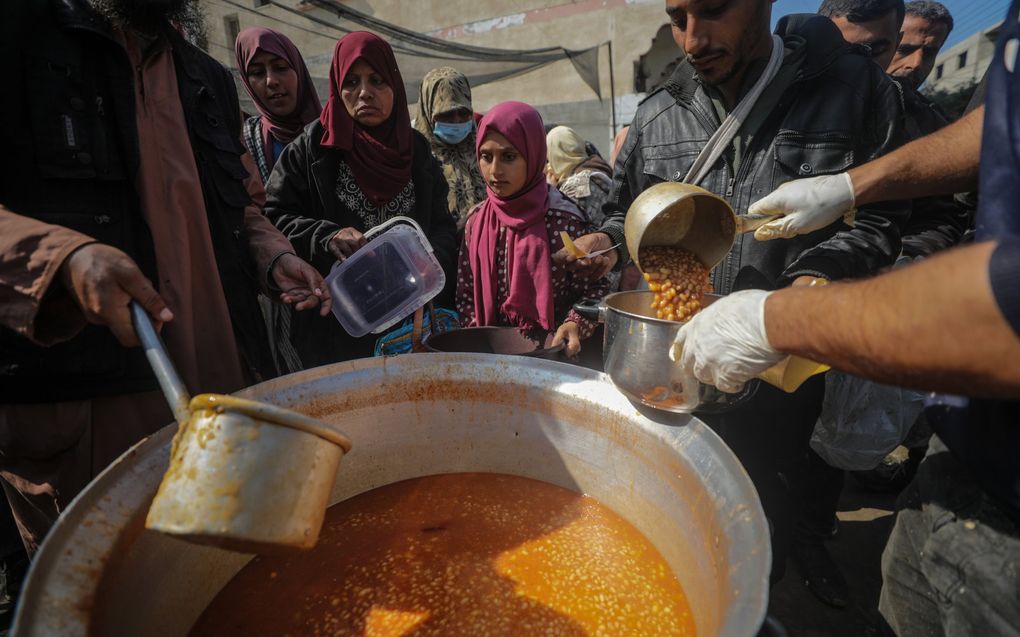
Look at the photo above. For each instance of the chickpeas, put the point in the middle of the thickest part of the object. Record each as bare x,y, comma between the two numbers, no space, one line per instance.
677,279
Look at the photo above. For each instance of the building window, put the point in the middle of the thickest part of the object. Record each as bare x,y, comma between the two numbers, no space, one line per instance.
231,27
261,3
963,59
939,71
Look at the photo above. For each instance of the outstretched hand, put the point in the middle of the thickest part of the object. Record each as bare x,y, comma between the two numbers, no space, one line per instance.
593,268
301,283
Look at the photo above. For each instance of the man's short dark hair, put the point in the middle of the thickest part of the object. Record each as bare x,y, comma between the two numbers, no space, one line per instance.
862,10
931,11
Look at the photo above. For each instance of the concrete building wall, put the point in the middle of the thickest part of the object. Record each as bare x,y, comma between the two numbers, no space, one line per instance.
556,90
964,63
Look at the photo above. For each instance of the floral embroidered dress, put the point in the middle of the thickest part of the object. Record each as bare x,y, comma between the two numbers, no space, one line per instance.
351,196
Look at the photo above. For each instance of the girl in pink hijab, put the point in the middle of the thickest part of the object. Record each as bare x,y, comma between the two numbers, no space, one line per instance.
506,275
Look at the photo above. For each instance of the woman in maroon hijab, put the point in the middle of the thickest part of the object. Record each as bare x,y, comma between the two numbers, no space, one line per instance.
506,275
359,165
279,85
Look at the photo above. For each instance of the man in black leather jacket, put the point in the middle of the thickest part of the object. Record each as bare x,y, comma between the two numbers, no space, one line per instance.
829,108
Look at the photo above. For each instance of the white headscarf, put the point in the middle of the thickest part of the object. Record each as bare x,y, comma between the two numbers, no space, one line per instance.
566,152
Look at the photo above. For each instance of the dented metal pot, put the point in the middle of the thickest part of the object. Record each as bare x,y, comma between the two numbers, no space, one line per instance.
100,572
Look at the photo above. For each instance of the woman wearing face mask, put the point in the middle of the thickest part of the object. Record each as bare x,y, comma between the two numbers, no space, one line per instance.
281,89
506,275
584,178
357,166
446,119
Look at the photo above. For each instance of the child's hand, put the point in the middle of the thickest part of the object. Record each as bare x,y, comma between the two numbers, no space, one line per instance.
571,334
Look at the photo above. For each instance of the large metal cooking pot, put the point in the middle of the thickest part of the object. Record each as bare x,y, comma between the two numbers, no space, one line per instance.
635,355
101,572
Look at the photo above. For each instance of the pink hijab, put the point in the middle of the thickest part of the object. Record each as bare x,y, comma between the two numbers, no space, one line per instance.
529,304
285,129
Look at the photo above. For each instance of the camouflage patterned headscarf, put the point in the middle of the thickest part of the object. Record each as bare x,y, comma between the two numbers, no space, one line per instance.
442,90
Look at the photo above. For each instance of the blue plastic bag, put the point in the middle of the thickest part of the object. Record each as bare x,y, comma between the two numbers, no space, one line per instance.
401,339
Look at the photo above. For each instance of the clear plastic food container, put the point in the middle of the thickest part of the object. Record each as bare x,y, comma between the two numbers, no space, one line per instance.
390,277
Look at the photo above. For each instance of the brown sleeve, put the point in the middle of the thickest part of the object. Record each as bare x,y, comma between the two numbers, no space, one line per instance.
265,242
33,302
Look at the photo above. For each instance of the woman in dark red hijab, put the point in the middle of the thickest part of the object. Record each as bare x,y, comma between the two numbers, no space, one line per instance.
356,167
506,274
278,82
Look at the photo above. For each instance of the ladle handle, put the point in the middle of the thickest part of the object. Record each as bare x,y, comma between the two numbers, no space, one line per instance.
750,223
171,384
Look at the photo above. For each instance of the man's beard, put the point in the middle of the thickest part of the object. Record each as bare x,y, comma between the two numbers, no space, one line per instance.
736,66
150,15
741,56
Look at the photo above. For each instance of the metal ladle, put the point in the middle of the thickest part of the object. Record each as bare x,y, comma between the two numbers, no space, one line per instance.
243,475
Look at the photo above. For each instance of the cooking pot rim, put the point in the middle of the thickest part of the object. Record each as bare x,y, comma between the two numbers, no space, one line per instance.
69,570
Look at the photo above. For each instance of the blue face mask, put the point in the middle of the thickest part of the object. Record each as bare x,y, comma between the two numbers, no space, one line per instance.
453,133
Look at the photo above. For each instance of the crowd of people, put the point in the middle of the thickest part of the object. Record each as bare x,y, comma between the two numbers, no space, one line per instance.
138,178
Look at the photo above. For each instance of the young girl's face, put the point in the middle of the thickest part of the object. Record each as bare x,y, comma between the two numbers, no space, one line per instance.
503,168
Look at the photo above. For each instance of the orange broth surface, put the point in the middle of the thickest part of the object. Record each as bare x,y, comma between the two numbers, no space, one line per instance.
460,554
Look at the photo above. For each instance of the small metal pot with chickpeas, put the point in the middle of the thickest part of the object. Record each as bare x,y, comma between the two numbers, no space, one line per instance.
675,234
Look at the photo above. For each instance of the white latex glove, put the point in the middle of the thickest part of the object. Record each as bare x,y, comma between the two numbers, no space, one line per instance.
805,205
725,344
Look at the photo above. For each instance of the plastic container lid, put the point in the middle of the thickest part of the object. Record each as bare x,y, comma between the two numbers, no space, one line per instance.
389,278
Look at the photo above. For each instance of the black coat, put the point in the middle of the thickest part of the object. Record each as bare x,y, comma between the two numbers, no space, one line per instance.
301,200
71,158
936,223
841,111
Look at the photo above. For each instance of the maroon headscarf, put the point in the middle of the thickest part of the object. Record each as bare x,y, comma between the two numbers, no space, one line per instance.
529,304
380,156
285,129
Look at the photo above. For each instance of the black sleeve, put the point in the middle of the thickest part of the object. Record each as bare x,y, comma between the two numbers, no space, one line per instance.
289,197
935,223
978,98
442,233
874,241
627,175
1002,273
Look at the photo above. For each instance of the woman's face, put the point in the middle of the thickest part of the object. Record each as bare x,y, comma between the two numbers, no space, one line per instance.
366,95
503,168
274,82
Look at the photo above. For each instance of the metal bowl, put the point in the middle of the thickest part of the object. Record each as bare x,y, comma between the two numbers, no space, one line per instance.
491,340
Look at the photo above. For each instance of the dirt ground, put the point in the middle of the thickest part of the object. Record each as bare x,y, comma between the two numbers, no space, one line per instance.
865,520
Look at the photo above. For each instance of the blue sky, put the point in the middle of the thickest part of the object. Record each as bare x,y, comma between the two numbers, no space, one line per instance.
970,15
